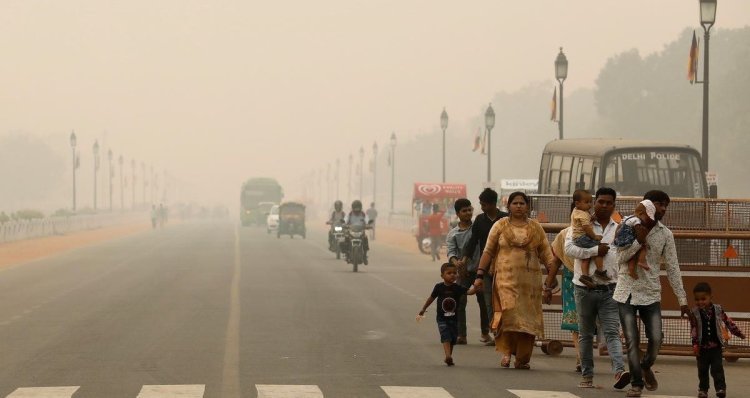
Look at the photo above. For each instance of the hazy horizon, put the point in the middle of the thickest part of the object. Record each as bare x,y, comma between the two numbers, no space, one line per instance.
218,92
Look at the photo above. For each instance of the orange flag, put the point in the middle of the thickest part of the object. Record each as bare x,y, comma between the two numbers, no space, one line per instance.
553,106
692,74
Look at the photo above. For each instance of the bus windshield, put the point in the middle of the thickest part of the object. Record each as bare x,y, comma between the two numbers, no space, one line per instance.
631,172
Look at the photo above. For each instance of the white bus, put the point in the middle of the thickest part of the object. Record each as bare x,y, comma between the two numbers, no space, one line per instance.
631,167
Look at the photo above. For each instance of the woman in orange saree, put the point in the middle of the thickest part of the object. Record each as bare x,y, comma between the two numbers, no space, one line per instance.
516,246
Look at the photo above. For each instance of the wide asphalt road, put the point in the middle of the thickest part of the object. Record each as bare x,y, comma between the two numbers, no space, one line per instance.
209,309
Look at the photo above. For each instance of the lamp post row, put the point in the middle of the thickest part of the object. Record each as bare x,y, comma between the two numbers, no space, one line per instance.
97,165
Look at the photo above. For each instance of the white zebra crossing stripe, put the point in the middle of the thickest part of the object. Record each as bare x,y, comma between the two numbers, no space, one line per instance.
665,396
175,391
44,392
542,394
288,391
416,392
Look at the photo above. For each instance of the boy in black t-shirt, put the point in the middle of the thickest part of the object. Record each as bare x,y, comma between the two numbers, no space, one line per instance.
447,293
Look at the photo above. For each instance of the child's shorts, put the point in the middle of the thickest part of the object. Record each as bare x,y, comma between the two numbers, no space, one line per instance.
448,328
585,242
625,236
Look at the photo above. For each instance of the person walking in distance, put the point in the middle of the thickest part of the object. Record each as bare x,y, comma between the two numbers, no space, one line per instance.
467,272
597,301
447,293
642,297
480,230
372,215
435,228
709,334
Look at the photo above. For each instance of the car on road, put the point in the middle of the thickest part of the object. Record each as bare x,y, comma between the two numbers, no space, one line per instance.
272,220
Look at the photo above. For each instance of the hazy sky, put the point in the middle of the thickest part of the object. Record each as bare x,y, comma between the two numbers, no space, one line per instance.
217,91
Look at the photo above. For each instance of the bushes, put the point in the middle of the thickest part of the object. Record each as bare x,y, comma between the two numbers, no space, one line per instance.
27,214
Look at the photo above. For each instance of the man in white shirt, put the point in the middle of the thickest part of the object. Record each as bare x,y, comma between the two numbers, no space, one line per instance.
597,301
642,297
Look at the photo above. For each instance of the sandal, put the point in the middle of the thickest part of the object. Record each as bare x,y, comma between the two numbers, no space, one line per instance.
523,366
505,362
586,382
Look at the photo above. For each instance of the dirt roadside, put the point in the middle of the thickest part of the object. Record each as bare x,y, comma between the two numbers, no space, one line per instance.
14,253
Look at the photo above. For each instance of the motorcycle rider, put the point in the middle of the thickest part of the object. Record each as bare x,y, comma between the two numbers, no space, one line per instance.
357,218
338,217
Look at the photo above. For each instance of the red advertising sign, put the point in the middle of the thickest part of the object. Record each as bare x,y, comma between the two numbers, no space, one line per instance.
431,191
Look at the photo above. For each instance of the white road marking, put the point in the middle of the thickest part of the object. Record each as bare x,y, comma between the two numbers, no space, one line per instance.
665,396
288,391
416,392
230,387
44,392
176,391
542,394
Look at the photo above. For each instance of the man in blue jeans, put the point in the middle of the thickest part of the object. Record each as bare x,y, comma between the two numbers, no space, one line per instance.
642,296
597,301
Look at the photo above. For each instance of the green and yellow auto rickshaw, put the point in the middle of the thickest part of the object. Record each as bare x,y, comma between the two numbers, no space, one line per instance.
291,220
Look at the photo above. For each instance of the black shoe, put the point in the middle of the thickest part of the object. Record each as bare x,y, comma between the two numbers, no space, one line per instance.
721,393
649,380
622,379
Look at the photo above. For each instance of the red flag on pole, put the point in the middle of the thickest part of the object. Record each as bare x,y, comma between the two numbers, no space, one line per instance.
692,74
477,140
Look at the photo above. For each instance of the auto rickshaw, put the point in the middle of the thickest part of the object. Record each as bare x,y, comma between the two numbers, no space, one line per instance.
291,220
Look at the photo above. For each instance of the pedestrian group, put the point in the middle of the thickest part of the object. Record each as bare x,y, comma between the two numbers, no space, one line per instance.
499,257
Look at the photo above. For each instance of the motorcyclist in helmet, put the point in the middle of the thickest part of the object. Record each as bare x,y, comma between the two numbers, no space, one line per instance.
338,217
358,217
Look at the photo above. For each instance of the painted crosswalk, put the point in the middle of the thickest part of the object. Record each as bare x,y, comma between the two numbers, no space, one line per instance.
285,391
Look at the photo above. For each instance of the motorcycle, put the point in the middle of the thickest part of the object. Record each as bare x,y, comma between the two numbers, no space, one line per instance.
336,239
357,238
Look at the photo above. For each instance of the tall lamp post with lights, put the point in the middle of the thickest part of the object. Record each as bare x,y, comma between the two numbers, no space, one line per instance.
489,123
96,167
444,125
122,192
393,168
73,142
561,73
111,173
361,172
708,18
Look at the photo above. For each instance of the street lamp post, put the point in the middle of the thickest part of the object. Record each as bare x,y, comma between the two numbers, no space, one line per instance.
374,171
561,73
96,167
444,125
145,181
489,123
361,171
122,193
338,178
132,167
393,167
708,17
111,173
73,141
349,184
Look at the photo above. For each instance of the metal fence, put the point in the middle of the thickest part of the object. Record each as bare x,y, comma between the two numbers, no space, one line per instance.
728,215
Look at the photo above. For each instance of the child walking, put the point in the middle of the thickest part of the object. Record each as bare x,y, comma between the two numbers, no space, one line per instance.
584,236
447,293
709,334
643,217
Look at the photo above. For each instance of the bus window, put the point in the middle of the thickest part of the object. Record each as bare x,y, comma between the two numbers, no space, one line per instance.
575,175
565,170
544,171
554,174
